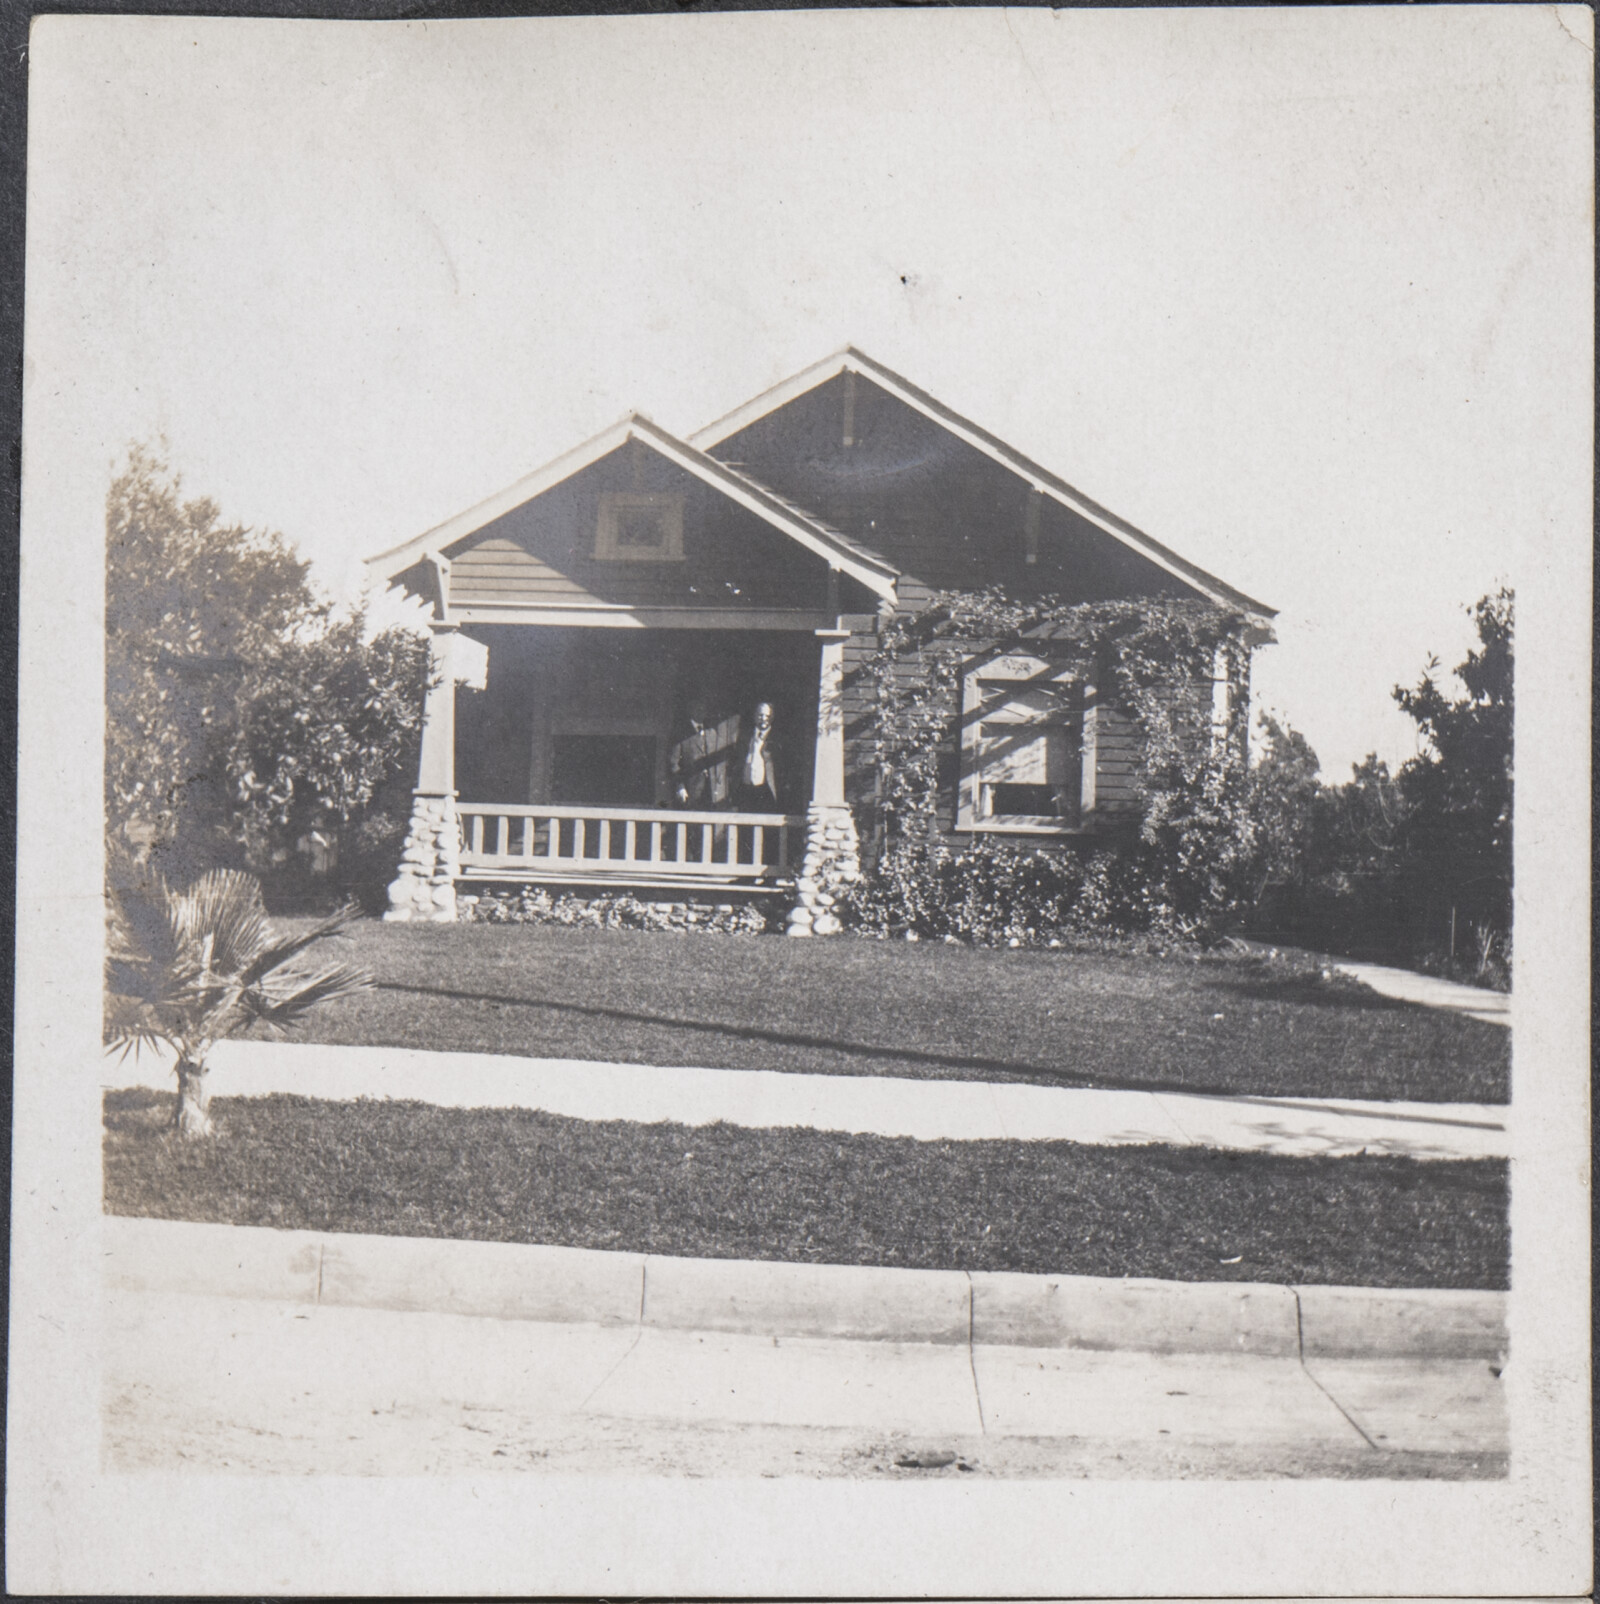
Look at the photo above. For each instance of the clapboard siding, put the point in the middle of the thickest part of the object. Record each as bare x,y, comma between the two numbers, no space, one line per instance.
1117,761
542,553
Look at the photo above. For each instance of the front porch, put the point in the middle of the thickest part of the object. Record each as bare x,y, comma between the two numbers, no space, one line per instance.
644,759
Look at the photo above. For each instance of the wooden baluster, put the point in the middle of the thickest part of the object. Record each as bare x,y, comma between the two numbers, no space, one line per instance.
604,851
580,837
758,849
630,838
502,837
683,842
477,835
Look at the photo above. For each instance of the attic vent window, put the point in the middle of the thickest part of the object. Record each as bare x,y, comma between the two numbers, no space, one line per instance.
1026,747
639,526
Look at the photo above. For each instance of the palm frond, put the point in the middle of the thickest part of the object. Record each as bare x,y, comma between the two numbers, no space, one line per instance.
191,967
224,905
276,953
132,1025
283,1000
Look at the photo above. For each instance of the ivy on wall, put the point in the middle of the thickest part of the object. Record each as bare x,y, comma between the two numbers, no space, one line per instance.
1183,870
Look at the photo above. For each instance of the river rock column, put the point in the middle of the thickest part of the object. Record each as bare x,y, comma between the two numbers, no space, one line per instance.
832,861
833,853
425,887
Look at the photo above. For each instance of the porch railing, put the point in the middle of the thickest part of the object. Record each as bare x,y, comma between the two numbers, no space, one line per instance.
638,846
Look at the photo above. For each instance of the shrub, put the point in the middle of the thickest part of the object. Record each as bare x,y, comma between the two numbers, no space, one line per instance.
535,905
995,893
990,893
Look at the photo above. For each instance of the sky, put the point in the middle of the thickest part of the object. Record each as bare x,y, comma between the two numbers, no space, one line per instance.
1303,294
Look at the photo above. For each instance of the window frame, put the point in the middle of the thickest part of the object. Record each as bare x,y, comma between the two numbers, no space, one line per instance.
608,526
1024,670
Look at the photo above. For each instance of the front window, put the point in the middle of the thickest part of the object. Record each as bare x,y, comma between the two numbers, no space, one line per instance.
1023,746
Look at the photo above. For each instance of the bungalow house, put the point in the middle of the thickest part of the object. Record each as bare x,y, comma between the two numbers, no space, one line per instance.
664,635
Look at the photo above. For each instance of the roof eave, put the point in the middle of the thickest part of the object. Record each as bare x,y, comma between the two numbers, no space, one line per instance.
877,576
1042,479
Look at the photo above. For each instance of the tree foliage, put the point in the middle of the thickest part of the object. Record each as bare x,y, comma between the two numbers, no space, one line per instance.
1457,831
329,719
192,602
1388,863
241,710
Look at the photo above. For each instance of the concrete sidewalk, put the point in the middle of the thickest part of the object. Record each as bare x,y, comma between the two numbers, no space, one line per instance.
929,1110
1428,991
391,1356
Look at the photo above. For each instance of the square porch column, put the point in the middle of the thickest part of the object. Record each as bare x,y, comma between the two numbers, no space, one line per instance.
833,853
425,887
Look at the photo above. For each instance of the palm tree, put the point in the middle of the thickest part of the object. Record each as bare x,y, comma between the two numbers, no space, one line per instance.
189,968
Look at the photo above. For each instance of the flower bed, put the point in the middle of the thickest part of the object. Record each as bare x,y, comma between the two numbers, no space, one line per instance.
534,905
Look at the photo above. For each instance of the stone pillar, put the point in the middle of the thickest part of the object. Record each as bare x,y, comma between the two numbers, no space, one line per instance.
832,854
832,861
425,887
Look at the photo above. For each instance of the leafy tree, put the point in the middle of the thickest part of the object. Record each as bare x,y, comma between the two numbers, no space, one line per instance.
1378,863
320,729
191,603
241,712
1457,833
1284,795
189,968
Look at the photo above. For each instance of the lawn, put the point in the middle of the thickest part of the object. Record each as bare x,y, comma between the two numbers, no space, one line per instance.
1227,1024
721,1191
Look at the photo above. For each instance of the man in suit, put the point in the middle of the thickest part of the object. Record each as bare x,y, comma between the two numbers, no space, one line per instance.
758,768
701,761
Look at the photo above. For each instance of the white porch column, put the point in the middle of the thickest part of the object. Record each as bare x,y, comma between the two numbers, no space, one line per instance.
425,887
827,778
833,855
436,773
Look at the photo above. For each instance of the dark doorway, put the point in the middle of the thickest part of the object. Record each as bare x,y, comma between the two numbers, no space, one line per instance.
615,771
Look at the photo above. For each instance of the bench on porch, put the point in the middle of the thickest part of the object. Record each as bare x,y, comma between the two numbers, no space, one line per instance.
638,846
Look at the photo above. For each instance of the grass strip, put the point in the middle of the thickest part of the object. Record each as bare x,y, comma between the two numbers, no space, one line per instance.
1225,1024
722,1191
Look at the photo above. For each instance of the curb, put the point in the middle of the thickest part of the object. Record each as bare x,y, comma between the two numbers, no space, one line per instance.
512,1281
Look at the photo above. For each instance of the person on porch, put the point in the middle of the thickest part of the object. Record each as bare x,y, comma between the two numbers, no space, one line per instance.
701,761
758,770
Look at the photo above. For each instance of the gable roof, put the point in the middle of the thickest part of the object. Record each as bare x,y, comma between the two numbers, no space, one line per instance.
837,549
854,361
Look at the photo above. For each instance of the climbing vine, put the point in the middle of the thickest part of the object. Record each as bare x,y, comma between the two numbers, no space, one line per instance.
1179,871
